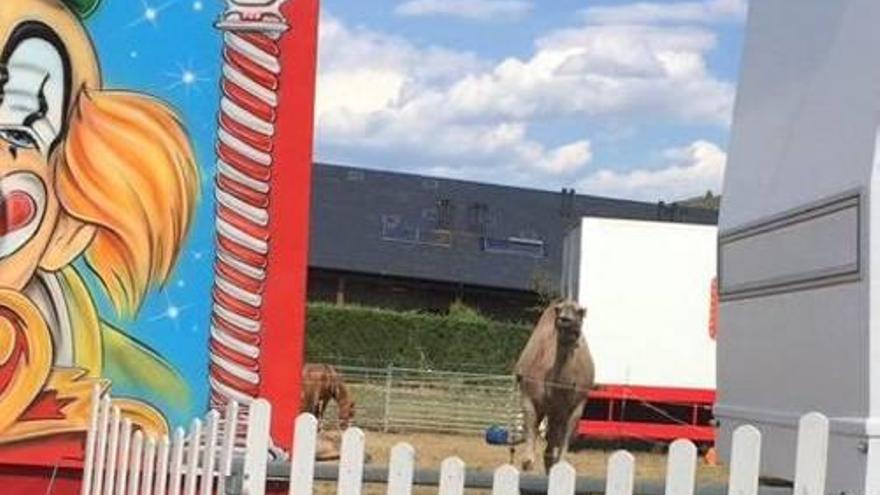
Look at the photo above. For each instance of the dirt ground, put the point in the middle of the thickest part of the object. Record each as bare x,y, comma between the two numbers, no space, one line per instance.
432,449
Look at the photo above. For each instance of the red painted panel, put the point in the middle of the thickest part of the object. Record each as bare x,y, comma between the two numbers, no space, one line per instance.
29,481
284,321
59,450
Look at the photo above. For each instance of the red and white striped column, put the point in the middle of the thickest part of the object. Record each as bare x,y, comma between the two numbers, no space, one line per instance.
262,189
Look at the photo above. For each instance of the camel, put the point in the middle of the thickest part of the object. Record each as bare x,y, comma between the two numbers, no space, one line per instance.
554,372
321,383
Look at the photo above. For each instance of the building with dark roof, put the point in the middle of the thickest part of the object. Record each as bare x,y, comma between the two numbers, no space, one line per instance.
412,242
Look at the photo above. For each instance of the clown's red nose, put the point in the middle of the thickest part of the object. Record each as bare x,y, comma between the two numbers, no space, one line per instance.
17,209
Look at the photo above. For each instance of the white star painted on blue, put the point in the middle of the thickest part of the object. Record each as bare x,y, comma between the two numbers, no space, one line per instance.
150,13
172,312
198,6
186,77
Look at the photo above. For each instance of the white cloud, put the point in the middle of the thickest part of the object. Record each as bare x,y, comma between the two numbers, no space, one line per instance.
688,171
709,11
595,71
378,93
385,101
468,9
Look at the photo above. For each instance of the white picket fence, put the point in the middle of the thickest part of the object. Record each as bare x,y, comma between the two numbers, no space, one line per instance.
122,462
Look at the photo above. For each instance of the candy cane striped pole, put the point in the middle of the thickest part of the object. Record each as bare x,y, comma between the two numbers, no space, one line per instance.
262,192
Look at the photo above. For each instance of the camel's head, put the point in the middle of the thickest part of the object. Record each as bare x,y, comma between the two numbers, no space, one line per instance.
569,319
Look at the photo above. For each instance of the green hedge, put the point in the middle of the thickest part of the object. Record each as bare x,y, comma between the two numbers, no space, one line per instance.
460,341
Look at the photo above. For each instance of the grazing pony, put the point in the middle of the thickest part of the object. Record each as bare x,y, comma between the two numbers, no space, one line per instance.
321,383
554,373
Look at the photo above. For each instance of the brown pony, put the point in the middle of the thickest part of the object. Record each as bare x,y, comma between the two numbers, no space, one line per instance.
321,383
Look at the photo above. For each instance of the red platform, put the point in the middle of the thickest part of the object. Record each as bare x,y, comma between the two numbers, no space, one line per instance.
649,413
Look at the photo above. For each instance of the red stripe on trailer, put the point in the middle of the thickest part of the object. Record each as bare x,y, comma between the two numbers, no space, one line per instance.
652,431
655,394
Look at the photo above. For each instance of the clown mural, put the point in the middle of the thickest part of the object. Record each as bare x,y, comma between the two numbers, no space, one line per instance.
93,183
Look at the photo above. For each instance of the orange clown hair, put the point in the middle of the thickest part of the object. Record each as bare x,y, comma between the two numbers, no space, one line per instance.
127,168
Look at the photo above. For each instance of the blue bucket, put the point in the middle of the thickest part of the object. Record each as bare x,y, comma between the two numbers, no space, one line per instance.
497,435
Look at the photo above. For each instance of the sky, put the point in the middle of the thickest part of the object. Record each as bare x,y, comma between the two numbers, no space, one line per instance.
614,98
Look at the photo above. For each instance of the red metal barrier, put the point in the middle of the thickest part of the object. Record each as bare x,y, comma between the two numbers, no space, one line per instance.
649,413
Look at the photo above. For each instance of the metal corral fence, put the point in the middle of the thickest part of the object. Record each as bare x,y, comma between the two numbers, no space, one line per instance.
395,399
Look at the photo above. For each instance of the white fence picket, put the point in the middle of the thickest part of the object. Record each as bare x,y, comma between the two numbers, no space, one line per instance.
113,451
137,455
505,481
562,479
302,464
745,461
162,459
257,448
351,462
401,469
681,468
811,462
230,433
124,453
149,466
452,477
91,442
621,474
176,462
209,457
101,456
192,457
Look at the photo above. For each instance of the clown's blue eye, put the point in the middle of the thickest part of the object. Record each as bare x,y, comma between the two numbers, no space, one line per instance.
18,138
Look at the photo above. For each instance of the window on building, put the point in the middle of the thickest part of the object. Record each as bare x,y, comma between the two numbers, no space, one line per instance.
395,229
515,245
478,217
355,175
445,214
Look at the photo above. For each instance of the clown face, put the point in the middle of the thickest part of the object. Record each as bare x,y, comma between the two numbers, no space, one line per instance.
39,68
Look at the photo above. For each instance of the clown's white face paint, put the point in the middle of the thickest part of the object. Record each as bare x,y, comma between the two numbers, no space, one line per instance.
32,111
32,107
22,205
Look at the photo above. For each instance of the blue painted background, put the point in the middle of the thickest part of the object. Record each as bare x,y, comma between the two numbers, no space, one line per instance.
172,51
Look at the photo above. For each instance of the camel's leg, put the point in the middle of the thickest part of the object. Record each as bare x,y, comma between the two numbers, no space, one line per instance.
556,426
561,423
571,426
531,420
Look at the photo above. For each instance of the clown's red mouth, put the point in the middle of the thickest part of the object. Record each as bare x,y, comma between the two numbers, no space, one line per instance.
17,210
22,203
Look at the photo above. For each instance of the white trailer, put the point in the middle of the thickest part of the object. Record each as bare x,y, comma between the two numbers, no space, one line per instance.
799,327
647,287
